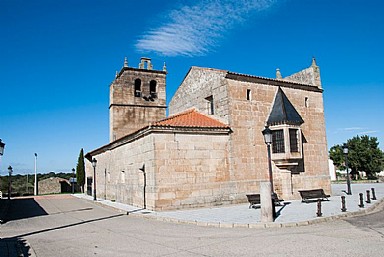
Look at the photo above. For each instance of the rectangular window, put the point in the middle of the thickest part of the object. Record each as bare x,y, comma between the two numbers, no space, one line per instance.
248,94
293,140
211,110
278,141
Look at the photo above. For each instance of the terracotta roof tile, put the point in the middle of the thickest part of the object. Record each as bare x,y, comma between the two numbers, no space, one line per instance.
190,118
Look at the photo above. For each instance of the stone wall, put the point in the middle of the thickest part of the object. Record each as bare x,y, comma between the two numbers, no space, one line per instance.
192,170
309,76
199,84
249,152
118,175
182,170
245,102
53,186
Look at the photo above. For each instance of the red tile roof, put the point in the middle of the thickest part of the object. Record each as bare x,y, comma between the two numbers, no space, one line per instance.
188,119
192,119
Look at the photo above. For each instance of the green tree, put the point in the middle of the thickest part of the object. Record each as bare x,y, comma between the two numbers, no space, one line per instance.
364,154
337,156
80,171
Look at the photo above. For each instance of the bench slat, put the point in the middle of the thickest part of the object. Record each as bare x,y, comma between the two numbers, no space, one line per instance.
307,195
254,199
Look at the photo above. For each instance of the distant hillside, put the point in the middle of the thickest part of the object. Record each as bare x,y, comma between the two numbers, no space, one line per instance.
20,185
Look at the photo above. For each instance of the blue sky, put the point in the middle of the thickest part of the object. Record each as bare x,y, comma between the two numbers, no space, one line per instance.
57,59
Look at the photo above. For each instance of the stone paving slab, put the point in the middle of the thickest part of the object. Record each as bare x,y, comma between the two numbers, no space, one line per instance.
292,213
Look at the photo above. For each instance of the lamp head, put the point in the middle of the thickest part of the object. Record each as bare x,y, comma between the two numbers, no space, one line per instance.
2,146
267,133
345,148
94,162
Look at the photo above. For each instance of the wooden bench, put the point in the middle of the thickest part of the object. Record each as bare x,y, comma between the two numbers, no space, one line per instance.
254,199
313,194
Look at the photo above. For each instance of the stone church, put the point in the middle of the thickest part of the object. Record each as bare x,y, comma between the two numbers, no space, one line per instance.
210,149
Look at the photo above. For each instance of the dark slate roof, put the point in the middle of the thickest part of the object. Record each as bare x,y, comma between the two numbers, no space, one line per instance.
283,112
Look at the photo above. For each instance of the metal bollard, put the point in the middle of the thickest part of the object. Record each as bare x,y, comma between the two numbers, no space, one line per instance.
319,214
361,205
343,207
368,197
373,194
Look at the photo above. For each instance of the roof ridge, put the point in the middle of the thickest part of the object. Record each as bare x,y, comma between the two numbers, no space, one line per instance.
190,110
191,118
283,80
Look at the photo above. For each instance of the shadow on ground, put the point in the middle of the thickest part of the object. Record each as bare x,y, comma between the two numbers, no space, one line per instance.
22,208
14,247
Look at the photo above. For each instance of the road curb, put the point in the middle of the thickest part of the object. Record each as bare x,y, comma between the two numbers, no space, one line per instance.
258,225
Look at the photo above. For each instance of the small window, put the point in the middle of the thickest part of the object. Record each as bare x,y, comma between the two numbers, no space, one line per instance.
122,176
293,140
248,94
152,89
306,104
278,141
211,109
138,88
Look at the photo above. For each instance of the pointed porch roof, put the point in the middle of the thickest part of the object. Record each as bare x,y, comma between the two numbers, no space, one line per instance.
283,112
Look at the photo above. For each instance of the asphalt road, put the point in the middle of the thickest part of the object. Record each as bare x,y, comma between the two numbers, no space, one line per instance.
67,226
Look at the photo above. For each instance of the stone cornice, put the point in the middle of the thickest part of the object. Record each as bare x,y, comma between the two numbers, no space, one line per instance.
138,105
140,70
274,82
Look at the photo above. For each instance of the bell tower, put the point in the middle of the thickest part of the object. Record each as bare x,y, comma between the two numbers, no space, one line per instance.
137,98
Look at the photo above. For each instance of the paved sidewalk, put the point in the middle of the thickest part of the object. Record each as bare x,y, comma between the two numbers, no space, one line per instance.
292,213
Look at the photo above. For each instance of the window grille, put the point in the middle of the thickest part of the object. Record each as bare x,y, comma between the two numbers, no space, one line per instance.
278,141
293,140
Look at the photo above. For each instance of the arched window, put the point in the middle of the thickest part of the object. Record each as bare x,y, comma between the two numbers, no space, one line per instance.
138,88
152,89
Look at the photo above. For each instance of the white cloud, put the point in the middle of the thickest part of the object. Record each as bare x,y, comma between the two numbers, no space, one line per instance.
368,132
194,30
342,130
353,128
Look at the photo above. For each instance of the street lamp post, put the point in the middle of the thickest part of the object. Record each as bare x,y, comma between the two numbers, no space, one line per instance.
94,162
2,146
10,182
35,187
105,184
145,185
345,151
73,180
267,133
